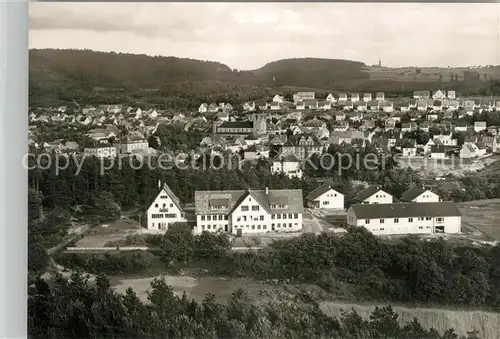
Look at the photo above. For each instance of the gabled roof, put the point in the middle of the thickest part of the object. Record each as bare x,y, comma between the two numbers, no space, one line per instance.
406,210
367,193
287,157
233,198
171,195
316,193
412,193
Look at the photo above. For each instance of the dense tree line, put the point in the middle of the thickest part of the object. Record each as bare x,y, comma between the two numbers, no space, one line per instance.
76,308
406,270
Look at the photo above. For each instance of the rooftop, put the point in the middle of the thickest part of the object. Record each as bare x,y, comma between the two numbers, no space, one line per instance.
406,210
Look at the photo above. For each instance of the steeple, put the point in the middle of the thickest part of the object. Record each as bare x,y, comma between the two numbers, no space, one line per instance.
379,63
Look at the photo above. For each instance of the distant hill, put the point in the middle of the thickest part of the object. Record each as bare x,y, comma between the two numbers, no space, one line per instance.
88,76
313,72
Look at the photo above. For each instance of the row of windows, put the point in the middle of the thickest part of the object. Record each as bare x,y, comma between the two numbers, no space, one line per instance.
381,229
284,216
279,206
261,218
235,129
396,220
213,227
245,208
161,215
161,225
213,217
164,205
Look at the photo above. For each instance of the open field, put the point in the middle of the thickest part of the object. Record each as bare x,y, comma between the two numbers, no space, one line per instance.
117,230
427,74
432,168
481,218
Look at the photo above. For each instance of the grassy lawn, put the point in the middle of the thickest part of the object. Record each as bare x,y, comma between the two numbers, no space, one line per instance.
482,218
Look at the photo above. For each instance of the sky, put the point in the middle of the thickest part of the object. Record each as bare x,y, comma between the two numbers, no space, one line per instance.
248,35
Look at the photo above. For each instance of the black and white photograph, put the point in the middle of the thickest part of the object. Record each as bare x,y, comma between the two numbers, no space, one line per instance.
263,170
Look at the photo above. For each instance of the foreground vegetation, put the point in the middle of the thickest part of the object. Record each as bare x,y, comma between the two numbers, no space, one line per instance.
75,308
408,270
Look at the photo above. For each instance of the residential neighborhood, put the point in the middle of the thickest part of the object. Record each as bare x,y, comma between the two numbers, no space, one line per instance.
431,126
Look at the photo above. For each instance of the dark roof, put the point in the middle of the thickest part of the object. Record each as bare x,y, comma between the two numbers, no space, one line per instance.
237,124
252,148
319,192
287,157
437,149
367,192
412,193
406,210
290,197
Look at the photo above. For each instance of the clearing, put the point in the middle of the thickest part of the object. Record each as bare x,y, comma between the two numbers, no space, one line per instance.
114,231
487,323
481,218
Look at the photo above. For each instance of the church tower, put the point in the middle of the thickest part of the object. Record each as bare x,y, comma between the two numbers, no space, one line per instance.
380,63
259,124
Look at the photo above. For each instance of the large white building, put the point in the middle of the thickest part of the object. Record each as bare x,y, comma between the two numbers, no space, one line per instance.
325,197
418,194
100,149
406,218
165,210
374,195
130,143
248,211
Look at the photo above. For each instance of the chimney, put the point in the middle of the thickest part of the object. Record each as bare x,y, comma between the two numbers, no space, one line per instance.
159,184
267,190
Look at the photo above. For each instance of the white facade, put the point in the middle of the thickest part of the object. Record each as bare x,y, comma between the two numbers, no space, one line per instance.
411,225
100,152
409,151
438,155
163,212
379,197
290,168
129,146
331,98
248,215
331,199
438,95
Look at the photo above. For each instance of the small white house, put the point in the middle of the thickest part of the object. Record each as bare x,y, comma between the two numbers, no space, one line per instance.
407,218
438,152
287,164
164,210
419,195
374,195
331,98
479,126
278,98
203,108
354,97
439,95
325,197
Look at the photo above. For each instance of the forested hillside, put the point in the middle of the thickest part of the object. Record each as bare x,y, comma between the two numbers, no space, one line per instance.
96,77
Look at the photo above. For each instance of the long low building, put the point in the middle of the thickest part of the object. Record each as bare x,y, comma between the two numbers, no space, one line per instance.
248,211
406,218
